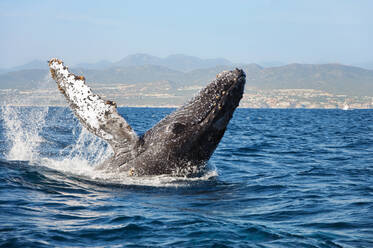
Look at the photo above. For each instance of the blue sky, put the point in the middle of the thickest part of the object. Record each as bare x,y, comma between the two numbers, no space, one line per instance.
317,31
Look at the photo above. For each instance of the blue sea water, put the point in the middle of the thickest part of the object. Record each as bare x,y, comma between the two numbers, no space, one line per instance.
279,178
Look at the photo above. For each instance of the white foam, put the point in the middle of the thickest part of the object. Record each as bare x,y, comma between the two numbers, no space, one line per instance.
22,132
87,147
83,168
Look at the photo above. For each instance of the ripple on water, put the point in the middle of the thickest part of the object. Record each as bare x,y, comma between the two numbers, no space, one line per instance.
287,178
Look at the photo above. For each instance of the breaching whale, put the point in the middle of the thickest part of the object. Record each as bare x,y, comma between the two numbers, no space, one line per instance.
180,144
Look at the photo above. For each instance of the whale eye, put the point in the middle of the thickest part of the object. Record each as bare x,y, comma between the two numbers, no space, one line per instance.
177,127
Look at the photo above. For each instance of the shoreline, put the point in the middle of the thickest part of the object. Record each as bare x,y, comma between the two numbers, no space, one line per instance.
172,107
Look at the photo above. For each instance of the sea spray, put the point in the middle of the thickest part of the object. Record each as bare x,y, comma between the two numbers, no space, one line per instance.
82,156
24,123
86,147
22,129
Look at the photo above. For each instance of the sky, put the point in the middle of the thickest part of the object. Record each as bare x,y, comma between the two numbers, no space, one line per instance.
243,31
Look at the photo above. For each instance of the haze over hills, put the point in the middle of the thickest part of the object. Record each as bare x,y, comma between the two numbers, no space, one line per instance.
178,62
183,71
367,65
34,64
144,80
102,64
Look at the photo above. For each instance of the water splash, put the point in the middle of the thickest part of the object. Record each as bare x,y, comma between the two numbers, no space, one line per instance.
23,126
81,157
88,148
26,133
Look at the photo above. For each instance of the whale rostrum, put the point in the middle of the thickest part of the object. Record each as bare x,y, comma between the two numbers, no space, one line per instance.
180,144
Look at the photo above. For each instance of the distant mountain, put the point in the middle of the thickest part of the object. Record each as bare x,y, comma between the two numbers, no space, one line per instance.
130,74
178,62
23,79
271,63
102,64
138,60
367,65
333,78
188,63
142,68
35,64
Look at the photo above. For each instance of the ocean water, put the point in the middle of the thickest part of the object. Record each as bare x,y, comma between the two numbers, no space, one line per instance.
279,178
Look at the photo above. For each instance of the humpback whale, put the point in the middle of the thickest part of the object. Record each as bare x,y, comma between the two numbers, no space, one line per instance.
178,145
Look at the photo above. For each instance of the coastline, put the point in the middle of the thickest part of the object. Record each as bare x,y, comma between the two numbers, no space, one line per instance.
172,107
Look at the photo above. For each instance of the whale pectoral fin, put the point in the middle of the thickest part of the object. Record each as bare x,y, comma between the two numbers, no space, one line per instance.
97,115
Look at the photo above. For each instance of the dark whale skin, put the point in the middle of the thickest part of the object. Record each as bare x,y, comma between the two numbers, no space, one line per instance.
180,144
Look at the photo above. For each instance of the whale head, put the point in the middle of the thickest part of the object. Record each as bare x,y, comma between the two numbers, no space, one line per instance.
193,132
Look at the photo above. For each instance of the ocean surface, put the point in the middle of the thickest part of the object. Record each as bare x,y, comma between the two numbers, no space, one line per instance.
279,178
